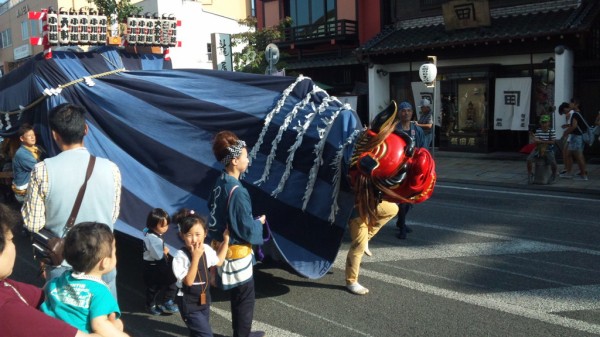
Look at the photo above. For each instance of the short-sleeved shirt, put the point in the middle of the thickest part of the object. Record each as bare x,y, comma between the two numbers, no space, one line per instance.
181,263
581,126
78,301
549,135
154,246
20,316
426,118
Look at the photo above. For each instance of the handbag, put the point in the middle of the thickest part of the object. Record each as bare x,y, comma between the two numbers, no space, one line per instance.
47,247
588,135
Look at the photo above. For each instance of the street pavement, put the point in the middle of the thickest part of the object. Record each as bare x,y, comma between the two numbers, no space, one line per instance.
508,169
500,169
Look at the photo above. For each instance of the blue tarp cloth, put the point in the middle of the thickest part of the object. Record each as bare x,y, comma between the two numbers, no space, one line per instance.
157,125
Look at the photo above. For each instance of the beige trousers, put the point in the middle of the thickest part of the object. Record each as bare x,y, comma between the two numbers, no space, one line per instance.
361,233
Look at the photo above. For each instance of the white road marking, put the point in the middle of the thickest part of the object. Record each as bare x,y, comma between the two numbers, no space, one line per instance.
539,304
257,325
531,194
489,301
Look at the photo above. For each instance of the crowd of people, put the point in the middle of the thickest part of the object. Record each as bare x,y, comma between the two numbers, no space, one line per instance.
571,143
80,296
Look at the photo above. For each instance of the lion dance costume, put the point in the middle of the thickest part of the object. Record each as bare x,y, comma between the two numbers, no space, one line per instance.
386,165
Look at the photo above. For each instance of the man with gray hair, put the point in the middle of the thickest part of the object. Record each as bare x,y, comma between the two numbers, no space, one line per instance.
425,121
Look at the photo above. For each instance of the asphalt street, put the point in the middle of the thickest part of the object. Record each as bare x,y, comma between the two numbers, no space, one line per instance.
482,261
490,255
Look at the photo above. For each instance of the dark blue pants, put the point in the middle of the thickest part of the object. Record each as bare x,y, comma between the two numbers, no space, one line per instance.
242,309
198,321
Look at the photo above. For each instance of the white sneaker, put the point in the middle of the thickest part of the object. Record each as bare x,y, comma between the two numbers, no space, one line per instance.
580,178
357,289
367,250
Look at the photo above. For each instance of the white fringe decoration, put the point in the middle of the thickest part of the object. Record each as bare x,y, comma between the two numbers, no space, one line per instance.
337,164
7,119
286,122
269,117
323,132
301,129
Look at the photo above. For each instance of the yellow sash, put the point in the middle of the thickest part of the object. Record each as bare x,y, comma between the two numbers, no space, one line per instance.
234,252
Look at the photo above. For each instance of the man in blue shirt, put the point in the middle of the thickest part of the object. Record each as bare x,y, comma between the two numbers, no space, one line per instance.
410,127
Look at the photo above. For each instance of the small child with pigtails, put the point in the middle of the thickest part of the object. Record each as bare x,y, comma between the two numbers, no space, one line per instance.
191,268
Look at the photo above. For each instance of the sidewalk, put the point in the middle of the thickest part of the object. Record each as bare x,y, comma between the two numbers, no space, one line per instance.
507,169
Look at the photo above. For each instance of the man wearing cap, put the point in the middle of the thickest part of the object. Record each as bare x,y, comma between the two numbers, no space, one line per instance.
417,135
425,121
544,137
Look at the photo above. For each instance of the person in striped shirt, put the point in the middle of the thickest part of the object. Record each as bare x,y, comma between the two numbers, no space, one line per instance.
544,137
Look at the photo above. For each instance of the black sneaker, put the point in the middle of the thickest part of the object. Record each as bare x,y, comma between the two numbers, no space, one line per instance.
154,311
257,334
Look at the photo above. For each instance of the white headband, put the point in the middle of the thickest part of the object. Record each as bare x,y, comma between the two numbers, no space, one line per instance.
234,152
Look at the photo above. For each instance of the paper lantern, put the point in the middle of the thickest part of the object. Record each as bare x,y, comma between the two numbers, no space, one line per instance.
428,72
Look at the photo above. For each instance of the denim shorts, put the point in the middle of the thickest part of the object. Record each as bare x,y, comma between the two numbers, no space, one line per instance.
575,143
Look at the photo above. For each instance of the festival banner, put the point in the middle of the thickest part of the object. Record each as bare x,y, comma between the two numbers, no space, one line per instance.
421,91
513,100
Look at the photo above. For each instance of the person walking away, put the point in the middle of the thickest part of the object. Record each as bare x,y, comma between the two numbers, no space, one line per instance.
565,109
575,132
158,272
50,207
230,208
191,267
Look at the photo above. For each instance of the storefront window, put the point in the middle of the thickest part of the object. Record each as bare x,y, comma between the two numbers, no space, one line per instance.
465,121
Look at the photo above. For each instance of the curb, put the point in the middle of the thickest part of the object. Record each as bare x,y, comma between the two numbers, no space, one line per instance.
550,188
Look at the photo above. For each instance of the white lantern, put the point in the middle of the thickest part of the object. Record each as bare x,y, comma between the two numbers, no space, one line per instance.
428,72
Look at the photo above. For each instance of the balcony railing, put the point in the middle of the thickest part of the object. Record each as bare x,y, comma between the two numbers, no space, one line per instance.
328,30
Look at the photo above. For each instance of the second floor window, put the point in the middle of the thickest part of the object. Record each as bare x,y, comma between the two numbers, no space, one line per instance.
25,29
6,38
311,12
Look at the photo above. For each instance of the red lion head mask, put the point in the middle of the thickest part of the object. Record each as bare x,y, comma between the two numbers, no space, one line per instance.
387,165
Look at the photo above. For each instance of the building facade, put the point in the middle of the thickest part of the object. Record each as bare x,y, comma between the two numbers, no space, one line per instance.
321,41
199,19
501,64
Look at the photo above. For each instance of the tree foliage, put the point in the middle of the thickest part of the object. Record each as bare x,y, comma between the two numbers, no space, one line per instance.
123,8
252,57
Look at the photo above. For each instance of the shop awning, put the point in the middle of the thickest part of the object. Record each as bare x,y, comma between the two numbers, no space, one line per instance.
319,62
541,24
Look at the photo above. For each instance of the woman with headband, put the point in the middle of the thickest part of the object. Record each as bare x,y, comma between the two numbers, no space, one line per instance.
230,208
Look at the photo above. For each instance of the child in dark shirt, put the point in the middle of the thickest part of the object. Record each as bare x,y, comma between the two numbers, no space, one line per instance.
191,268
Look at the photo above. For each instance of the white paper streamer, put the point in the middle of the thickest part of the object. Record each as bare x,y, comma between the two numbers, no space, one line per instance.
286,122
323,132
337,164
269,117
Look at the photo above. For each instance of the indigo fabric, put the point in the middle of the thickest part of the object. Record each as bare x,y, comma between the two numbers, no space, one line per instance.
157,125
